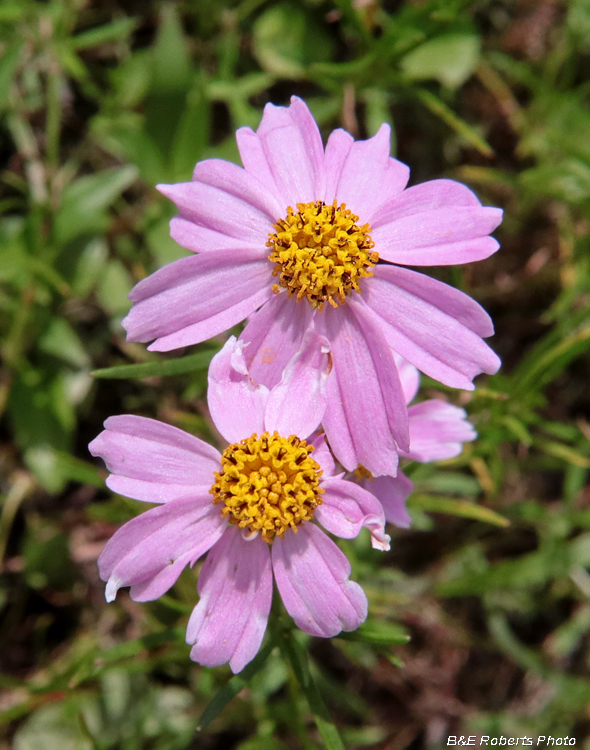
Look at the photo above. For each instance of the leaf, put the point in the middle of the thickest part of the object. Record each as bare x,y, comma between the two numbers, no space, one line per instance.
450,59
559,450
198,361
8,66
298,658
60,340
546,365
460,508
236,683
84,202
440,109
109,32
378,632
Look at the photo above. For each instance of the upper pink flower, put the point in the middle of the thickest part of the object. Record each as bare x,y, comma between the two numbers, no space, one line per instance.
267,486
313,237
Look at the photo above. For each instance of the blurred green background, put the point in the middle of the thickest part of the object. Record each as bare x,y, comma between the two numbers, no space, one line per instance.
102,99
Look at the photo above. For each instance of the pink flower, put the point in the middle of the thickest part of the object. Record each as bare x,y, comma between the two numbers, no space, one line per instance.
437,431
250,508
278,237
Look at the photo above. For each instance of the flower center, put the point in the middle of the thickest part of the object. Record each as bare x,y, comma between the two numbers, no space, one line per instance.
268,484
321,253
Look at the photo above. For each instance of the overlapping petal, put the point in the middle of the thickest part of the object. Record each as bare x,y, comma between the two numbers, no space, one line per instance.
392,493
153,461
236,402
366,413
273,336
235,586
312,576
347,508
297,404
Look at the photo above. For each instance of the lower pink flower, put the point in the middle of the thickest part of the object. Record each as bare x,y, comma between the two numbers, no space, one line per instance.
250,508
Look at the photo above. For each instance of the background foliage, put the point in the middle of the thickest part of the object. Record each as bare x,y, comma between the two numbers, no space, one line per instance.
102,99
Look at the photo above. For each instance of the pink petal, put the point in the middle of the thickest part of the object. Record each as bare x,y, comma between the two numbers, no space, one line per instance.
438,431
255,162
312,138
235,587
216,209
373,402
444,236
153,461
409,377
236,403
427,196
203,240
335,424
273,336
362,173
393,182
346,508
337,150
285,147
312,578
322,454
297,404
158,544
238,182
427,323
392,493
196,298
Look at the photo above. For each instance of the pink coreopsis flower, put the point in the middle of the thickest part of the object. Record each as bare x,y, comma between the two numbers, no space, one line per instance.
437,431
252,508
305,236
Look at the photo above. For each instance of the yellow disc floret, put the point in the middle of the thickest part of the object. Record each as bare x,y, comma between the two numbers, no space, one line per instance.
268,484
321,253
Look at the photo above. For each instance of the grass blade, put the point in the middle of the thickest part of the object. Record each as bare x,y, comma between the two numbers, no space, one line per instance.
324,722
236,683
198,361
462,508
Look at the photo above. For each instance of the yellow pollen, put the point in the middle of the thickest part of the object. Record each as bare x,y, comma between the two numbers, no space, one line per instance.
268,484
321,253
361,473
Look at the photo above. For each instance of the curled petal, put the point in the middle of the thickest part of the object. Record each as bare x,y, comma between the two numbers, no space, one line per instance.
347,507
312,578
236,403
297,404
153,461
235,587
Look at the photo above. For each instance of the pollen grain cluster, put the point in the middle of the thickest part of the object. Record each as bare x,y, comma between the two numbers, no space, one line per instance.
268,484
321,253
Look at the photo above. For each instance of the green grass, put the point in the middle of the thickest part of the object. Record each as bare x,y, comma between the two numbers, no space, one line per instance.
98,103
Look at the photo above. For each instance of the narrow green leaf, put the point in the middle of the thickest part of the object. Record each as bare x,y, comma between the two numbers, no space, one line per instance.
236,683
440,109
324,722
378,632
550,363
8,65
198,361
461,508
109,32
559,450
